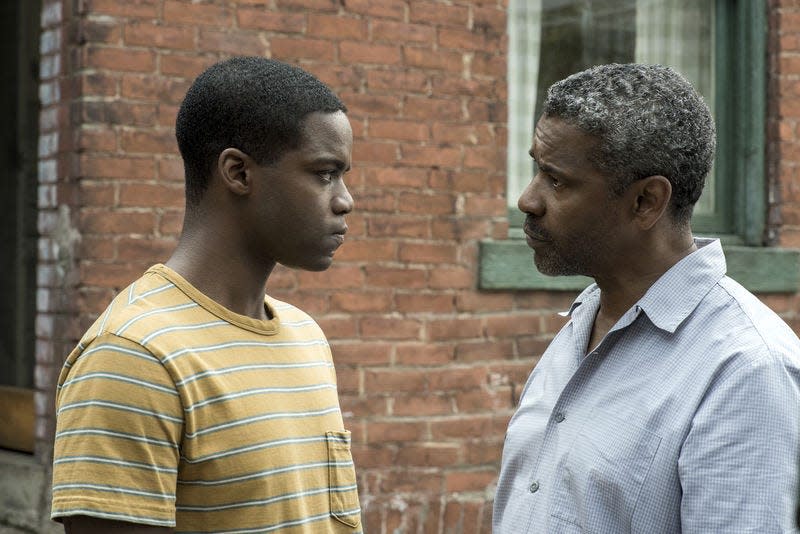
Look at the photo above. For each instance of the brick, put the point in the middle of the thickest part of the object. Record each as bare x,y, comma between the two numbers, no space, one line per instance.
348,380
390,277
317,49
448,329
154,88
475,351
97,248
484,302
336,27
483,400
463,39
338,327
453,378
370,456
206,14
384,30
470,480
508,325
113,275
428,108
452,278
418,406
428,253
427,203
369,53
426,58
461,427
488,111
98,84
460,229
417,302
97,139
260,19
438,14
145,9
150,195
144,249
120,59
117,222
340,77
490,21
361,105
170,222
148,141
391,10
382,381
233,42
360,302
366,250
189,66
96,31
170,170
488,64
338,276
400,130
374,201
389,328
433,455
117,167
166,114
424,354
398,226
318,5
361,353
375,152
412,480
380,432
150,34
489,158
430,156
397,177
123,113
462,134
392,80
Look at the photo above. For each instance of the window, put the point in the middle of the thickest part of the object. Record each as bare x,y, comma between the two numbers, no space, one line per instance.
19,45
718,45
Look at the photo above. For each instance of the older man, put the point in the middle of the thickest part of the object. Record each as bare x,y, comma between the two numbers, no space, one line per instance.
670,401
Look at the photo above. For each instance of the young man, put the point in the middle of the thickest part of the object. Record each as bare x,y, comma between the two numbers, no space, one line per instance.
670,401
195,403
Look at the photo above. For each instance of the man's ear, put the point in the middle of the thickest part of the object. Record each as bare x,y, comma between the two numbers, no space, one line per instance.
651,198
235,169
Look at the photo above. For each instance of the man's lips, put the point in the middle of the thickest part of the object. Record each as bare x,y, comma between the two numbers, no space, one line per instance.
535,234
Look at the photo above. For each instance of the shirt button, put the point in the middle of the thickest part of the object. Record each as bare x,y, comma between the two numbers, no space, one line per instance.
560,417
534,487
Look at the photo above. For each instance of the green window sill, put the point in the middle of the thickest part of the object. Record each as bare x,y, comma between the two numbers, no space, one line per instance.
508,265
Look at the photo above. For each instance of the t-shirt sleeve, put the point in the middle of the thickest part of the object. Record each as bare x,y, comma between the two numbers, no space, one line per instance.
119,422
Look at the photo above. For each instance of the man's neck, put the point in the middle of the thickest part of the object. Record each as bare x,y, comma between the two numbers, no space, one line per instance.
213,264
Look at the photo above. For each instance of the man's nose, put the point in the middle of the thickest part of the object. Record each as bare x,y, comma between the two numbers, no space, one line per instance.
342,202
530,201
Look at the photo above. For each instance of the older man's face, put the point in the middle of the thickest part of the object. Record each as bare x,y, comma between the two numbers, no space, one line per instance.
572,217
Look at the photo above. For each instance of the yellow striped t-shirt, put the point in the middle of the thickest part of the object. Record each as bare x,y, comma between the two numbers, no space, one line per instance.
175,411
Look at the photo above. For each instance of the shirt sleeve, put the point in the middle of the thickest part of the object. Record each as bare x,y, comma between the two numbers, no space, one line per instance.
739,464
119,422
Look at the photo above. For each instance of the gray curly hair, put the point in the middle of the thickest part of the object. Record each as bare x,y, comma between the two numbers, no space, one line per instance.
649,120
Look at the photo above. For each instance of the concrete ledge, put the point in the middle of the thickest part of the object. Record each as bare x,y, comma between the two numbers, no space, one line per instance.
22,487
508,265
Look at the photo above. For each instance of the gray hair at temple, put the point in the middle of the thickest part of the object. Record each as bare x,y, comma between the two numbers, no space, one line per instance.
649,121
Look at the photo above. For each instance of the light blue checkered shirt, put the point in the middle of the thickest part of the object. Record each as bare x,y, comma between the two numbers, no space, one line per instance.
685,419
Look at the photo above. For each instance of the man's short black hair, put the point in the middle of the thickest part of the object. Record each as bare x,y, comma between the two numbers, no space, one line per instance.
254,104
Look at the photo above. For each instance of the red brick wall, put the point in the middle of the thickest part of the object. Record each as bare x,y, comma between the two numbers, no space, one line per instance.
429,367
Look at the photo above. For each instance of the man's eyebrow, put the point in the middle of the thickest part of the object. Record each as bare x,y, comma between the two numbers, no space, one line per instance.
336,162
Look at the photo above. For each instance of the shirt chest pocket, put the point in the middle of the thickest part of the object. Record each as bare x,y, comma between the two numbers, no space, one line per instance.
343,491
599,480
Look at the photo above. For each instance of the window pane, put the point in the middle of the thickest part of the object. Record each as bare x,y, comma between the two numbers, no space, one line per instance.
551,39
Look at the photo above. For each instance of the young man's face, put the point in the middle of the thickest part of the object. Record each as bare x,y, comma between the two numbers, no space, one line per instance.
300,202
572,217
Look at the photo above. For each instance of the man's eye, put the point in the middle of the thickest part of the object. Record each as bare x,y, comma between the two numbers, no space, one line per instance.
555,182
327,176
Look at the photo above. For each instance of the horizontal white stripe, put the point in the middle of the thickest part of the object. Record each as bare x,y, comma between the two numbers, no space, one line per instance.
265,417
251,448
157,311
117,406
254,367
200,326
152,292
258,391
112,461
264,474
121,378
271,500
120,435
140,519
114,489
237,344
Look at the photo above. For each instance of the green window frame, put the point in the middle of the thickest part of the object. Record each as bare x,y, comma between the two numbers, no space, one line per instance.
739,215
